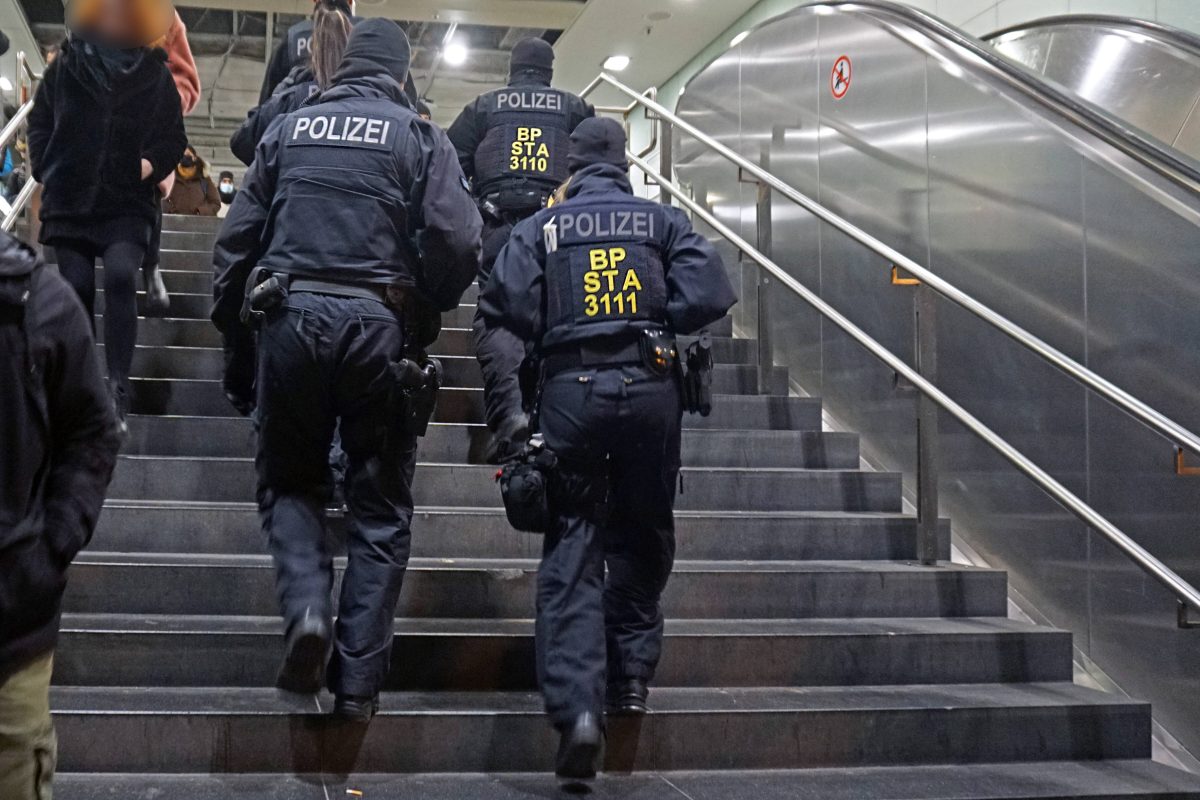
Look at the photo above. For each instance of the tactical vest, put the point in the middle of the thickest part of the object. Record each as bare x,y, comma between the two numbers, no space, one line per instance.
605,272
299,43
525,147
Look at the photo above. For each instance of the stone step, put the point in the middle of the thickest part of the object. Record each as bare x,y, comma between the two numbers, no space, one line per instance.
1059,780
204,398
170,332
191,224
148,730
164,528
498,655
462,372
158,584
227,437
710,489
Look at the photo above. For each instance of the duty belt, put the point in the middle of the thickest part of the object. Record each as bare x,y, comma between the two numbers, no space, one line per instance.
592,354
358,291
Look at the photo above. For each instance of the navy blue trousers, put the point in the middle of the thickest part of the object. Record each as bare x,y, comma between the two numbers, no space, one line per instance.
610,553
323,364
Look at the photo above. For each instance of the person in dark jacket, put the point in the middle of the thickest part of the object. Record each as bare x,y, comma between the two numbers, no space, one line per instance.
105,129
330,28
589,283
295,49
359,209
512,144
194,193
58,445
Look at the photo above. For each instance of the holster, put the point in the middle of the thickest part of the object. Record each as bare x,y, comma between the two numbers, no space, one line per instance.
415,385
264,291
422,322
697,376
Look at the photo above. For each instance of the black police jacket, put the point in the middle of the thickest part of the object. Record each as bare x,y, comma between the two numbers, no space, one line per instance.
58,446
518,136
355,188
295,90
586,268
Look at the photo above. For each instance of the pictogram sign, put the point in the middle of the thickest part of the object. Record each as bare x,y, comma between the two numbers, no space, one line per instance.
839,80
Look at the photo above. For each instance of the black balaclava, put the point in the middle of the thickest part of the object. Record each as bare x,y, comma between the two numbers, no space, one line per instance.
597,140
376,46
532,55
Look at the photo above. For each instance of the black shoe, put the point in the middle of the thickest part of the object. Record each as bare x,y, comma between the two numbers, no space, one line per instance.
303,669
579,749
509,439
628,698
358,710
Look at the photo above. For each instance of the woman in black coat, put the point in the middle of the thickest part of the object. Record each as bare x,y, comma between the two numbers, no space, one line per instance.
106,127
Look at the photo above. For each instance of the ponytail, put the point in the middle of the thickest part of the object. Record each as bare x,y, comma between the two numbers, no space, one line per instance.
331,30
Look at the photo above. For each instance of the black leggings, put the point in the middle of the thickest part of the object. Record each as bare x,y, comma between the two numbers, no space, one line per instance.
122,262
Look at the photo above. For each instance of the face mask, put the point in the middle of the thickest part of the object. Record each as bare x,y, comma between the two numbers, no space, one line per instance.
187,161
227,192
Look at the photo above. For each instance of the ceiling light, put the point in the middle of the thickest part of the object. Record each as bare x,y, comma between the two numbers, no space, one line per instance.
6,84
456,53
616,63
741,37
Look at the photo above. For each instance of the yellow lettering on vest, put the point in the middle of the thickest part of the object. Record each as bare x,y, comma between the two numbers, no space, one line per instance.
599,259
631,282
591,282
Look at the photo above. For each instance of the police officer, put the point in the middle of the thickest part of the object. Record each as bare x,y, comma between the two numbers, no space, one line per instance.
295,49
600,284
350,203
512,143
328,30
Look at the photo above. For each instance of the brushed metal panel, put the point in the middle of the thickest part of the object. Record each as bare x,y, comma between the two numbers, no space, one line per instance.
1053,228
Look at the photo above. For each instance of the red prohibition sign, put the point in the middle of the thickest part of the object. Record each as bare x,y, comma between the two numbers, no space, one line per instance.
839,79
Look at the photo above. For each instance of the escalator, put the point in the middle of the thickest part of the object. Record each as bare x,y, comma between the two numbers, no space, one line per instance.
1065,212
1144,73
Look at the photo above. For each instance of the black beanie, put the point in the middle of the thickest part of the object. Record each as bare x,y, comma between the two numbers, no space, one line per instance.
532,54
375,46
597,140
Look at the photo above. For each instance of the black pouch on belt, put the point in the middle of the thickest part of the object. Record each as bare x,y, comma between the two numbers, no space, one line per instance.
264,291
660,353
525,488
697,377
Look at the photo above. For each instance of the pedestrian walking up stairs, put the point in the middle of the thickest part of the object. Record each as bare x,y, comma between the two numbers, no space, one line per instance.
807,654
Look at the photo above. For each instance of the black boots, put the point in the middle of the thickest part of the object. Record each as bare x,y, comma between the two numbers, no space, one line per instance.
627,698
355,710
304,662
579,749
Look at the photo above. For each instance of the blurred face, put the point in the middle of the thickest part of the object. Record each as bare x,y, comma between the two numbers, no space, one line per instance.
122,23
189,158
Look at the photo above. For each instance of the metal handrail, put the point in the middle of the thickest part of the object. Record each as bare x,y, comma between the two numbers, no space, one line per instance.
1164,34
1187,594
9,132
1156,421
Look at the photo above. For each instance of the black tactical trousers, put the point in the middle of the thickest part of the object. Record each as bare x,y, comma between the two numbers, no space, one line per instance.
324,362
500,353
618,432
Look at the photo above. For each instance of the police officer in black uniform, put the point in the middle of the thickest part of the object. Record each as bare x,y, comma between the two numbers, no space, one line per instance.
512,143
352,205
294,50
599,284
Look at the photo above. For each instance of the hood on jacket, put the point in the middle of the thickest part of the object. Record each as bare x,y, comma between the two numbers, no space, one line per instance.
377,48
599,179
598,140
532,58
17,259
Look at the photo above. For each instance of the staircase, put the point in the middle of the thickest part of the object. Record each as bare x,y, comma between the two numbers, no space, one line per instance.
807,655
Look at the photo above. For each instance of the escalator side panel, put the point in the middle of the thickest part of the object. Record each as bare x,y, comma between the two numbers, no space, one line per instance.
1036,217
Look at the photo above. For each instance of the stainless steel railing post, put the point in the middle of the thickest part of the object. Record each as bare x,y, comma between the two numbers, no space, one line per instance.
928,466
